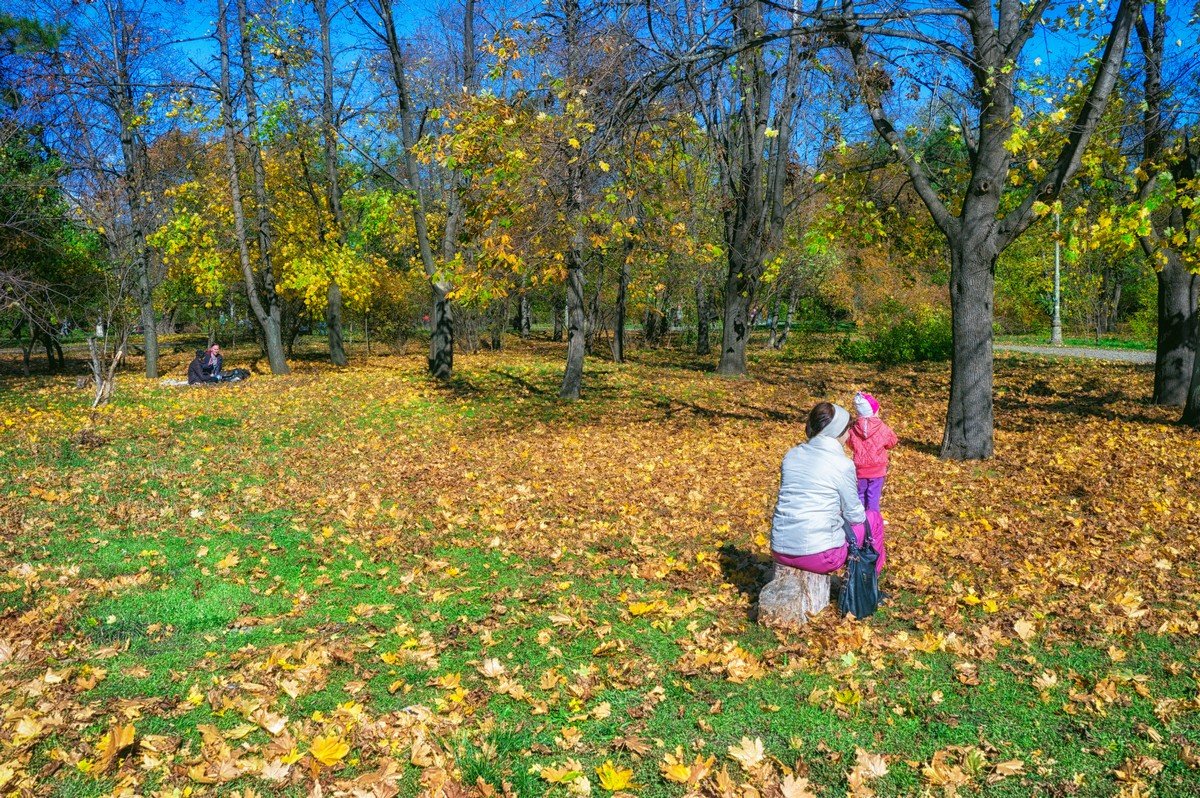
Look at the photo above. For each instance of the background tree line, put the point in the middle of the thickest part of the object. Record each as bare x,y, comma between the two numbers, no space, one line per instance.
696,171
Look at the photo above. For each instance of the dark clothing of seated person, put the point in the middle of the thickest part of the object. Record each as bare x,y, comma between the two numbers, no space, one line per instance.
206,367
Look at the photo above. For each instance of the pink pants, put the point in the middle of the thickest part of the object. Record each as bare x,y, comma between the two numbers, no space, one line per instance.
830,560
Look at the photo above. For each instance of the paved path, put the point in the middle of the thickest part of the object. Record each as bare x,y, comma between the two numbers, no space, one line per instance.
1121,355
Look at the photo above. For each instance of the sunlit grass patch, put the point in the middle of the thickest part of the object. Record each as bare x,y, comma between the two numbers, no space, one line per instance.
478,583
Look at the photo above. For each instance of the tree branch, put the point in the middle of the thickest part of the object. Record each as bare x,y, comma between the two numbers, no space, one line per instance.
871,95
1018,220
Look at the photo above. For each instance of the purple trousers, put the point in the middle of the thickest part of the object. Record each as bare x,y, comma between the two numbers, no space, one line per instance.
869,492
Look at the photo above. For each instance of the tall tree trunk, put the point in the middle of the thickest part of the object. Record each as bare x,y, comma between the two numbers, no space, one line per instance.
1191,409
499,320
337,349
978,233
969,417
441,341
703,347
559,314
524,315
781,339
1178,291
739,295
573,374
576,323
592,317
266,306
266,315
773,326
137,165
618,342
756,178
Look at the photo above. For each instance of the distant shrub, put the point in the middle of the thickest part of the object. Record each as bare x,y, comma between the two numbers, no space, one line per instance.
914,337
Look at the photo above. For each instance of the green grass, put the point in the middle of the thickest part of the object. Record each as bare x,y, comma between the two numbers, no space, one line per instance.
359,536
1091,342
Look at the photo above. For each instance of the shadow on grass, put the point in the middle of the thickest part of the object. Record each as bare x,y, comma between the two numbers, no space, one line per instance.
924,447
746,570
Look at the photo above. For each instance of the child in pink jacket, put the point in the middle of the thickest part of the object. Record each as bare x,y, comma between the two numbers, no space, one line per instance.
870,440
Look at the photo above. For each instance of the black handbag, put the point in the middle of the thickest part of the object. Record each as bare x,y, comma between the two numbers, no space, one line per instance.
860,587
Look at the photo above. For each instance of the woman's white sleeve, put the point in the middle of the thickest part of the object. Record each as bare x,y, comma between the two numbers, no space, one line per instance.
852,509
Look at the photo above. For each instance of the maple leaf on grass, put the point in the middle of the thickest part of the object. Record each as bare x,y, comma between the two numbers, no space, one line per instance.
676,768
793,787
118,739
613,778
561,774
328,749
748,753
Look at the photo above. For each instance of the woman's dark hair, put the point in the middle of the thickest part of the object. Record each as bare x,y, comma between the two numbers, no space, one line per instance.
818,419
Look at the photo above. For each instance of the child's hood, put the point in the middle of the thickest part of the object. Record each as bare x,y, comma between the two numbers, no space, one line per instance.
869,426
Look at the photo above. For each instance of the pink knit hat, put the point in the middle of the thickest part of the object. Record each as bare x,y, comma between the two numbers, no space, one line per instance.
866,405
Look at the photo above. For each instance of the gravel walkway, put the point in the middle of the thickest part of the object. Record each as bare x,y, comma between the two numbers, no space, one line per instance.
1121,355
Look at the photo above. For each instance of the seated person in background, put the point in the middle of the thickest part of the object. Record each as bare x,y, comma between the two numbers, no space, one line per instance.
206,367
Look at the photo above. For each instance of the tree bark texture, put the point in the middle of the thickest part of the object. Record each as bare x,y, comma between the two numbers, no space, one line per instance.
755,172
792,597
1191,409
618,342
969,417
573,374
703,347
781,339
333,188
736,332
576,312
266,314
560,314
1175,354
524,316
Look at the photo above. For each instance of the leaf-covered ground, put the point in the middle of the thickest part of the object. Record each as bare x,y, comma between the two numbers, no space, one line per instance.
361,583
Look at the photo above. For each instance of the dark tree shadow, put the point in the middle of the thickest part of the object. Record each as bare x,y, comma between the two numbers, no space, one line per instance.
931,449
670,406
748,571
522,382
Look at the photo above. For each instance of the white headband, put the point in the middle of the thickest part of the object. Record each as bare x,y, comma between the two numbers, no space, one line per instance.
841,420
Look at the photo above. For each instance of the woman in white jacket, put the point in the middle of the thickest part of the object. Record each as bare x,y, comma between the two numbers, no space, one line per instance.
818,496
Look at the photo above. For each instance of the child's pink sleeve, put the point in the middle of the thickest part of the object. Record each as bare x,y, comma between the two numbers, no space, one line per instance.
892,441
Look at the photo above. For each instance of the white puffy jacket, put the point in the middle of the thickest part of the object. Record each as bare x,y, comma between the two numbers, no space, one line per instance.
817,490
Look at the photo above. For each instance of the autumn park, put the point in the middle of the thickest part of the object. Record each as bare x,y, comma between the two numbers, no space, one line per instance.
728,399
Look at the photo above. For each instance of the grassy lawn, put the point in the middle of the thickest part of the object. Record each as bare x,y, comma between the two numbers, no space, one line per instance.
1089,341
366,581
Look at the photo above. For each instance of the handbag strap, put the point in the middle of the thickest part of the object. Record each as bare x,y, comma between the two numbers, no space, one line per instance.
853,542
850,539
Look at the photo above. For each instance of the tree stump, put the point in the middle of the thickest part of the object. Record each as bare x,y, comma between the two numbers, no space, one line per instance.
792,596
